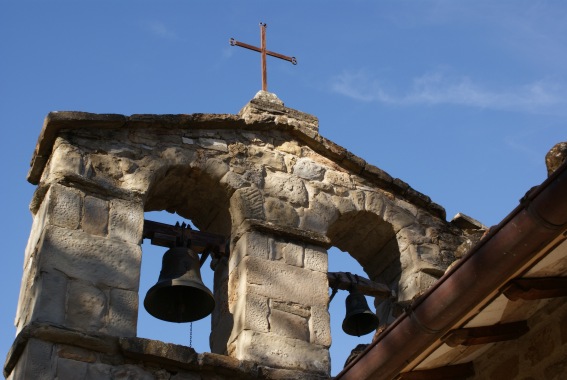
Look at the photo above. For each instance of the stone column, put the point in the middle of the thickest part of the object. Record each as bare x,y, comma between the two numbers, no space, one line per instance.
278,295
82,263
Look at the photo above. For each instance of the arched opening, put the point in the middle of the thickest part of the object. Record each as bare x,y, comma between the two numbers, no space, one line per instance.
193,195
183,194
342,343
372,242
153,328
370,249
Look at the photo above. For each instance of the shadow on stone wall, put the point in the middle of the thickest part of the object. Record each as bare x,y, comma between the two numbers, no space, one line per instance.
372,242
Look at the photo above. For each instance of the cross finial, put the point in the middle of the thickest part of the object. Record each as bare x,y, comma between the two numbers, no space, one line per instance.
263,51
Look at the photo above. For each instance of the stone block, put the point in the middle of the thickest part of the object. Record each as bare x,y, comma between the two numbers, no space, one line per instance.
291,307
216,168
95,216
429,253
250,313
71,369
246,203
293,254
291,147
281,213
412,284
126,221
220,291
214,144
287,187
65,160
308,169
268,373
50,298
398,217
339,179
36,362
234,181
64,206
123,313
250,244
275,351
160,352
98,371
320,326
129,371
94,259
375,203
38,225
87,307
276,249
279,281
220,334
316,258
344,204
289,325
264,157
76,353
320,214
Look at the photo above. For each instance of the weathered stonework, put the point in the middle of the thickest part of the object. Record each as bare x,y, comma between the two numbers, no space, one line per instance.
266,179
540,354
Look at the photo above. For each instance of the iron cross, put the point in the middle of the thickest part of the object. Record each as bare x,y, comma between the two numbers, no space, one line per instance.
262,50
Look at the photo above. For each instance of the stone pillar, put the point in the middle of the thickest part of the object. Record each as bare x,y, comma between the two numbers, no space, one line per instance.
278,295
221,320
82,263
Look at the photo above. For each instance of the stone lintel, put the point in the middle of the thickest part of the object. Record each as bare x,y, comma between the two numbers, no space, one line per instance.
288,232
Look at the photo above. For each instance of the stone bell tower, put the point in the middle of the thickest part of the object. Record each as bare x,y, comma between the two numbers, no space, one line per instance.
266,180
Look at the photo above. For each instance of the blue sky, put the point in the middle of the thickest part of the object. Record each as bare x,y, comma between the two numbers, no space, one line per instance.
461,99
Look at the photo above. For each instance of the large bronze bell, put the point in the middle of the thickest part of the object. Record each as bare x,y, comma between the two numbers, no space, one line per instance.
179,295
359,319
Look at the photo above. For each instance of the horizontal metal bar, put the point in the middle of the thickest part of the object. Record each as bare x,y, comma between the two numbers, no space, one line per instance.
166,235
347,281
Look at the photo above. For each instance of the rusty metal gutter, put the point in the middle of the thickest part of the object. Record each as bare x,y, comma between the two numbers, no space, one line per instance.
539,220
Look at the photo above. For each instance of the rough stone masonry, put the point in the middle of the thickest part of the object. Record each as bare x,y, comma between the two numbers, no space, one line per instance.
265,178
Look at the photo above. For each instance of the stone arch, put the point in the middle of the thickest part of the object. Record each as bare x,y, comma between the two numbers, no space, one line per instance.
193,194
369,240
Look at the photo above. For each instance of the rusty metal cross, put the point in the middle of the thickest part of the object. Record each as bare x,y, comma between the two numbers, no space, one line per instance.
262,50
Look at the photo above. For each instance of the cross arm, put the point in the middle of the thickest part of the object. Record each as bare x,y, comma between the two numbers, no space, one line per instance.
234,42
281,56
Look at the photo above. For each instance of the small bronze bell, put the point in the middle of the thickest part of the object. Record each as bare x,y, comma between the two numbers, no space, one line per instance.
179,295
359,320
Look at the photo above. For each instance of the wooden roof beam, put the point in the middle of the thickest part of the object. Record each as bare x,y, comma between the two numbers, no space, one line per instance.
451,372
485,334
535,288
